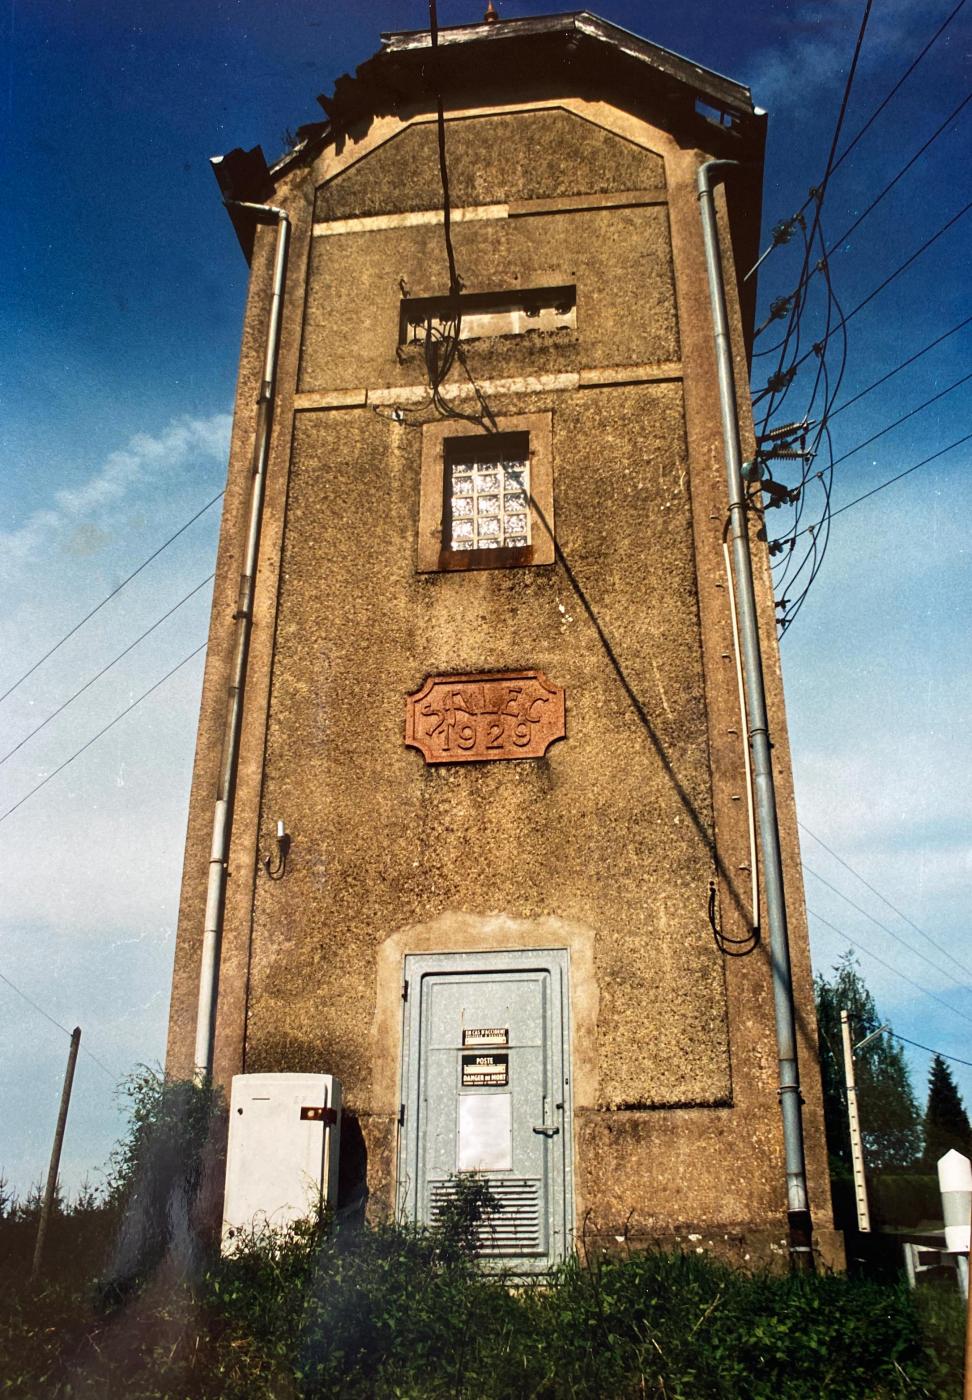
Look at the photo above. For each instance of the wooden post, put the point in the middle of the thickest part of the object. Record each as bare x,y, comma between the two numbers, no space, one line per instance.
48,1202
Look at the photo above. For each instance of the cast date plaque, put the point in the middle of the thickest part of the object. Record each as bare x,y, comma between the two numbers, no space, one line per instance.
497,714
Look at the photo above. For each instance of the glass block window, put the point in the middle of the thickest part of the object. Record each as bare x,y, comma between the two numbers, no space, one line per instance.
490,504
486,501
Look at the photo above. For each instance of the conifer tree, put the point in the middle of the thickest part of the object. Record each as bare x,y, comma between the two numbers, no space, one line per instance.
946,1122
890,1113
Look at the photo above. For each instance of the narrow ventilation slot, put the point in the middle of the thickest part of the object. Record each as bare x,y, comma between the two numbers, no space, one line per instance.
514,1229
485,314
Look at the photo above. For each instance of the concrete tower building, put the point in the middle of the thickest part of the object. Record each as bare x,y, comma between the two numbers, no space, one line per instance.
488,676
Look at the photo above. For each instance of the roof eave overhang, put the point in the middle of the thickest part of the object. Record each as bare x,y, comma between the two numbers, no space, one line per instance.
725,92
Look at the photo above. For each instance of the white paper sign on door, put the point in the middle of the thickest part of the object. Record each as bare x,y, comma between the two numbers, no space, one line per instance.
485,1133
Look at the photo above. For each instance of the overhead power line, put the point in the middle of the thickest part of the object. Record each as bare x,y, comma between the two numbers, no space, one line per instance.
48,1017
907,263
903,419
94,739
131,647
902,267
890,481
903,365
943,972
940,1053
862,130
883,898
819,195
835,242
107,599
904,77
889,966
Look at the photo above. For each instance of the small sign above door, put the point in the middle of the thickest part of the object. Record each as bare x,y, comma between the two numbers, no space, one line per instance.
480,1071
486,1035
472,719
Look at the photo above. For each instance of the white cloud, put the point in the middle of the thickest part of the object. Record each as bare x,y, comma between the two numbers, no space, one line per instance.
817,47
145,463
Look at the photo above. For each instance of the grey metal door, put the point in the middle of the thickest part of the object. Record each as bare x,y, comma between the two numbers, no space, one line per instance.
485,1089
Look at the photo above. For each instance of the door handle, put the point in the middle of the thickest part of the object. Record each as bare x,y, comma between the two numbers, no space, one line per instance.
547,1129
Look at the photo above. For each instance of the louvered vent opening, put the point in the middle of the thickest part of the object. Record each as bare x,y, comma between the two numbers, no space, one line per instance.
514,1229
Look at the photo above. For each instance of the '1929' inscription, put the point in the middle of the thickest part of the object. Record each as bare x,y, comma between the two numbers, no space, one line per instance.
463,719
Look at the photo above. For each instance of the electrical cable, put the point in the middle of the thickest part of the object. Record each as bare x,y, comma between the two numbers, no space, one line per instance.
918,1046
903,365
443,349
77,754
903,171
813,557
836,243
904,76
455,282
48,1017
867,125
880,288
107,599
891,480
131,647
943,972
903,419
817,552
820,192
883,898
781,583
908,261
888,966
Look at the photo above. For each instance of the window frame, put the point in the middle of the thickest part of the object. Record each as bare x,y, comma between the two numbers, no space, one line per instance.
434,556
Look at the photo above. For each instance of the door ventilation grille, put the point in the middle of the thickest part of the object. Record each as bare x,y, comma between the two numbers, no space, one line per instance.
514,1229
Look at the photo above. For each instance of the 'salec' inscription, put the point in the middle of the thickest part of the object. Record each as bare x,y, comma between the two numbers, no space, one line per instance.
462,719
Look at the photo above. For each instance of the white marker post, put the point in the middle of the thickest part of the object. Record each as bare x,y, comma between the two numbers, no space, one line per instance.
955,1184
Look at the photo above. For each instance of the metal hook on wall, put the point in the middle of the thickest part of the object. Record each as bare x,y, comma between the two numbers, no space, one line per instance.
276,869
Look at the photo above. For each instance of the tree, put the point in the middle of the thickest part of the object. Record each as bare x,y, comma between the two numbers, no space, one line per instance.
946,1122
891,1123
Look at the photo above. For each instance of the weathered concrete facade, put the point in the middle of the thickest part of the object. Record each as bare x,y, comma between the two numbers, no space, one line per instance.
572,164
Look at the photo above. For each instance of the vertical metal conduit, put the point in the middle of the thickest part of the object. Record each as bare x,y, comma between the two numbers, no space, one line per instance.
222,813
798,1206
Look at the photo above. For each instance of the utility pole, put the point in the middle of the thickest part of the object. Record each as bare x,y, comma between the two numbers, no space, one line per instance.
857,1146
857,1142
52,1170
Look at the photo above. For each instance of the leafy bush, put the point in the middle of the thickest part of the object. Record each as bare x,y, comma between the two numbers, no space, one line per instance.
157,1178
389,1312
372,1313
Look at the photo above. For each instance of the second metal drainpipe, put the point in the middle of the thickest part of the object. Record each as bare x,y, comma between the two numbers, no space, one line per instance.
798,1205
222,814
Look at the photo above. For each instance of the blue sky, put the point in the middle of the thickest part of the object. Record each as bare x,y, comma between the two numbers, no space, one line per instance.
120,307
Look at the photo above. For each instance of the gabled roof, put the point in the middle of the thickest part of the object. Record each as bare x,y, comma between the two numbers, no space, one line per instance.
573,26
573,53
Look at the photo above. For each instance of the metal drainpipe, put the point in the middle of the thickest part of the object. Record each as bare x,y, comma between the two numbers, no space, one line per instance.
222,813
798,1206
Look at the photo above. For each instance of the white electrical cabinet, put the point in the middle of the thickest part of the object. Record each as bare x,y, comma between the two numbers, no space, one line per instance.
282,1151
